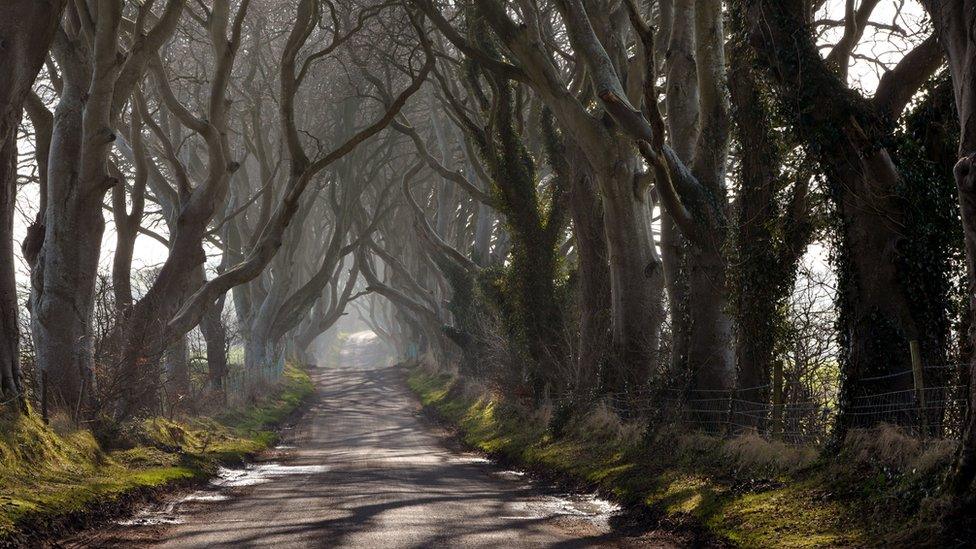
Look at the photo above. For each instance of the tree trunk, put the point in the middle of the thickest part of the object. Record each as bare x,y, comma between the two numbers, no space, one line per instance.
10,384
63,278
964,470
957,30
710,357
878,318
176,365
681,98
593,277
710,354
215,335
769,240
260,346
27,28
260,355
636,282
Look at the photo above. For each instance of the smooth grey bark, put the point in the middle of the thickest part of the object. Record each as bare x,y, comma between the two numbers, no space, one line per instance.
710,355
215,334
260,348
681,100
27,28
176,365
695,266
63,278
127,223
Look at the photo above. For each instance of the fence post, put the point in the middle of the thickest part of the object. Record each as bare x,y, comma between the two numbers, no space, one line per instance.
919,383
776,427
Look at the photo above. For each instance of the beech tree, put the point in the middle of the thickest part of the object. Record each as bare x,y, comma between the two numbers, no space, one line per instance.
956,29
26,32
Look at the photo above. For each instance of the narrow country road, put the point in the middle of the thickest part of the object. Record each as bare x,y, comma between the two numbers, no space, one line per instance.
361,469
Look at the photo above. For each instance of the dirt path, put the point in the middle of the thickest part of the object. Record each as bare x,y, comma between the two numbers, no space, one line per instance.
361,469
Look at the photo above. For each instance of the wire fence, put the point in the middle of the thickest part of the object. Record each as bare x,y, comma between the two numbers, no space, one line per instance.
785,413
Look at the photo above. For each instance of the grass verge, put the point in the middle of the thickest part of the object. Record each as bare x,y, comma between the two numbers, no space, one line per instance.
54,479
881,491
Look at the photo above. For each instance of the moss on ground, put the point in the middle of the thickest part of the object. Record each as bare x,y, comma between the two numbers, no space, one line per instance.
747,491
48,472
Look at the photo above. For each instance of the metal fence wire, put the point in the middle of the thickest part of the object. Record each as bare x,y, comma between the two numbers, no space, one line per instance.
795,417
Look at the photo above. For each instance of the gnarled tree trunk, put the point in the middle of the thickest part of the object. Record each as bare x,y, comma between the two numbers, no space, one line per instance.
27,28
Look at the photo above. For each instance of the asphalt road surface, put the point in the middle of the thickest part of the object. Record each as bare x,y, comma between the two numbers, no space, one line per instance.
363,468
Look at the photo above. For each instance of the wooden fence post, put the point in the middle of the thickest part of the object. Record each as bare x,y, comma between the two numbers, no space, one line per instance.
776,426
919,383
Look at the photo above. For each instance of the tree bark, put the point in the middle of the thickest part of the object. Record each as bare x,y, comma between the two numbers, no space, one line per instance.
593,275
955,24
215,335
176,365
681,98
27,28
636,280
63,278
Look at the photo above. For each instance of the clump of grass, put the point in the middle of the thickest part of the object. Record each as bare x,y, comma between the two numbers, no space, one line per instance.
27,444
886,446
602,423
753,455
892,449
935,458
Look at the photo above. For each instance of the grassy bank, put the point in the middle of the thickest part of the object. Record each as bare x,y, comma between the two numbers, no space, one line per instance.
748,491
52,478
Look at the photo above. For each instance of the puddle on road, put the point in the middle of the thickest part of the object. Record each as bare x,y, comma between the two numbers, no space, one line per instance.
155,515
251,475
203,496
261,473
465,459
509,475
589,507
174,512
